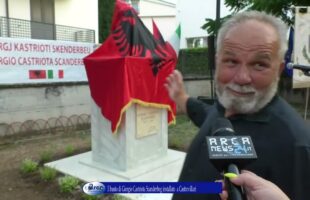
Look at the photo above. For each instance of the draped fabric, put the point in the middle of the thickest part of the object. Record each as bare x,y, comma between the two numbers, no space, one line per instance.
130,67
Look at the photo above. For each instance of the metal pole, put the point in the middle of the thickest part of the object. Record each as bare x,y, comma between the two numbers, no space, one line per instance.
7,13
218,14
211,61
217,27
306,106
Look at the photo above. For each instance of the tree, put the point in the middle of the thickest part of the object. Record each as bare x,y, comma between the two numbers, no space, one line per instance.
105,14
280,8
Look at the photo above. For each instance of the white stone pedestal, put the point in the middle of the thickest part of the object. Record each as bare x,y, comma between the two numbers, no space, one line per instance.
138,152
141,138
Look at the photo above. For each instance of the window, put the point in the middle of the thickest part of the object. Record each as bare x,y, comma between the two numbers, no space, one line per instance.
42,19
196,42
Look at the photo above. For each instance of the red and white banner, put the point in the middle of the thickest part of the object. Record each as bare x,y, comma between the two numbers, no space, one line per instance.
42,61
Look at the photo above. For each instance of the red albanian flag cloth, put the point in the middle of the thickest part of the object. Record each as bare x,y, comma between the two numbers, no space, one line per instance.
130,67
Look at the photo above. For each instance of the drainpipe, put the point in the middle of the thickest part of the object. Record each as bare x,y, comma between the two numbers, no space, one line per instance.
212,55
218,15
7,17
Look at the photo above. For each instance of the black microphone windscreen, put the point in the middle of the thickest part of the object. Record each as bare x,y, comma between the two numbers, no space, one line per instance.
222,127
225,146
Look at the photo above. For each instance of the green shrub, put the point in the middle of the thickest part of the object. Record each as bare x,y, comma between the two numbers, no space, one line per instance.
194,62
68,183
46,156
47,173
119,197
91,197
181,134
69,149
28,166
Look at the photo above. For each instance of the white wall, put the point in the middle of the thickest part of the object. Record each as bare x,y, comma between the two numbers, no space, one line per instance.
163,15
192,15
41,104
77,13
19,9
148,8
2,8
166,25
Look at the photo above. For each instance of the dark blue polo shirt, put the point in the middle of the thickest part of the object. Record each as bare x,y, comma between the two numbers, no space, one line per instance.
281,139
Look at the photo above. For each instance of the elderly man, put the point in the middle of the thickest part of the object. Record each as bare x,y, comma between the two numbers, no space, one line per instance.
249,60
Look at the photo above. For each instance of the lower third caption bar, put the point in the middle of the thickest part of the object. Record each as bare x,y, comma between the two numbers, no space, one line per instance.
94,188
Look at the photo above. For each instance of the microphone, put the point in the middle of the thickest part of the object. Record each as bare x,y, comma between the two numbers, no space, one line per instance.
228,153
304,68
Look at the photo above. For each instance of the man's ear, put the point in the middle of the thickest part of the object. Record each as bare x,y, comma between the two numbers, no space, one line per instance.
281,68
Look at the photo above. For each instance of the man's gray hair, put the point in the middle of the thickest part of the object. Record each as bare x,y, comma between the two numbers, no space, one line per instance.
242,17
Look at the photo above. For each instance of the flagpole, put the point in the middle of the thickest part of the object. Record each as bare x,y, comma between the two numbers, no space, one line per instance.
306,106
218,14
217,22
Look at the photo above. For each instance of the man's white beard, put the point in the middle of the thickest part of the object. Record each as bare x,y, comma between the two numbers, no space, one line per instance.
245,105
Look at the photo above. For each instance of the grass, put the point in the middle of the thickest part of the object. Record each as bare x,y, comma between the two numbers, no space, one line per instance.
48,174
181,134
69,149
28,166
46,156
119,197
68,183
91,197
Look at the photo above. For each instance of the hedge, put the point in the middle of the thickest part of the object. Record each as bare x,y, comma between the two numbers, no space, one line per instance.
194,62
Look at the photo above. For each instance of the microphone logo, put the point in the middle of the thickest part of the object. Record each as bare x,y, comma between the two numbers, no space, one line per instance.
230,147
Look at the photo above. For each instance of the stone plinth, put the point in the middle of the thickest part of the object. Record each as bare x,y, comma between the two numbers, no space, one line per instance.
141,138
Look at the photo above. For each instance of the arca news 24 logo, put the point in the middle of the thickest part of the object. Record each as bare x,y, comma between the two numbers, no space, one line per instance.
94,188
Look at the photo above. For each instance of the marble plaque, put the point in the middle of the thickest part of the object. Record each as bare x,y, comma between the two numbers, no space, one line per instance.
148,121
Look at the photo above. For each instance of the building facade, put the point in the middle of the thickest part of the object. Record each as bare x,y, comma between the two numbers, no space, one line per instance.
57,105
164,14
67,20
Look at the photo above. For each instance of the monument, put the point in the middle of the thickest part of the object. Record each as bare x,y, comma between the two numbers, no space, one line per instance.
138,151
130,108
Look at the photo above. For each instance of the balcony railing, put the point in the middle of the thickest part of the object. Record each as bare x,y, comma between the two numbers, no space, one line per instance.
19,28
